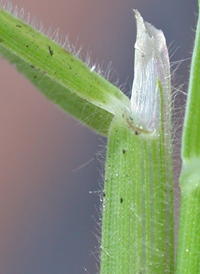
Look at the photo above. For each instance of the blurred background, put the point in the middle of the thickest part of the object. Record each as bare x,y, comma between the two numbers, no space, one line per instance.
48,217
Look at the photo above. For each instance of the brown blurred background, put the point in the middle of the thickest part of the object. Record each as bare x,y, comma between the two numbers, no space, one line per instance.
47,215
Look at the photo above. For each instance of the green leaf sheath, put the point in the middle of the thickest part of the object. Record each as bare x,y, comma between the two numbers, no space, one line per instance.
59,75
138,221
188,255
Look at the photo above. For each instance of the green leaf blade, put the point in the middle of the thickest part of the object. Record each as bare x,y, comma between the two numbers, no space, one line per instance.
58,74
188,255
191,132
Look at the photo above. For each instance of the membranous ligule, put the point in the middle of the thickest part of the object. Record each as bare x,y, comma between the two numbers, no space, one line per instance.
151,85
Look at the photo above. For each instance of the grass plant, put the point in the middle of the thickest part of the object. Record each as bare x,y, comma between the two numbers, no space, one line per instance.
138,219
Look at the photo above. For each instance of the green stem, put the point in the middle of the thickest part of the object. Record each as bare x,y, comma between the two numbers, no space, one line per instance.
188,258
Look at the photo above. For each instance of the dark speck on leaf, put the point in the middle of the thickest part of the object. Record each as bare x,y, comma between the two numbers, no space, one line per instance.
35,76
18,26
121,200
50,51
123,151
32,66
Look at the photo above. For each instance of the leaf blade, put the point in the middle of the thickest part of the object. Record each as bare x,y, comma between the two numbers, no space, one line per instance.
59,70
